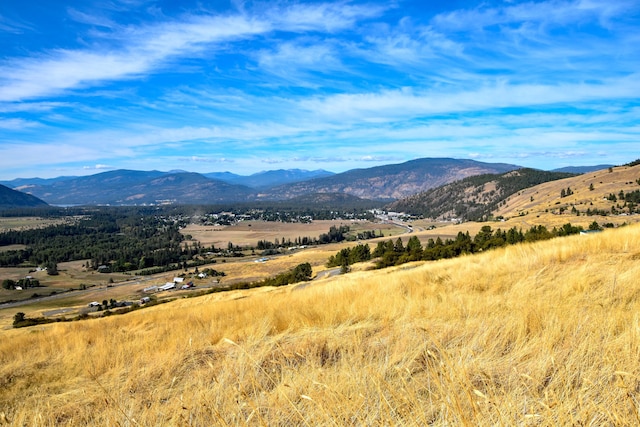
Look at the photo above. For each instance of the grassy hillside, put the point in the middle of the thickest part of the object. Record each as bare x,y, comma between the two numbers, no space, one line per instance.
540,334
472,198
589,191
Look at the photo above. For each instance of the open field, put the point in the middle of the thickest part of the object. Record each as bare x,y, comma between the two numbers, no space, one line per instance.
533,334
12,247
248,233
71,276
28,223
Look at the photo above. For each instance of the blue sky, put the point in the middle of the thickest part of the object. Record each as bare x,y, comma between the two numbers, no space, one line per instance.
205,86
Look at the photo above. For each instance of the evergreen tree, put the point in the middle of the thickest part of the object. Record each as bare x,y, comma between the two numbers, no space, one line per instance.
399,246
8,284
594,226
414,249
19,317
52,268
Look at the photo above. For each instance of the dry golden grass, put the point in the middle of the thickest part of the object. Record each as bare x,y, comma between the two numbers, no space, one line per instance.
547,196
540,334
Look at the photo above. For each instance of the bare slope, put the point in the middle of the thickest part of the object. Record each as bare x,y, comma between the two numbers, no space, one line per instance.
543,334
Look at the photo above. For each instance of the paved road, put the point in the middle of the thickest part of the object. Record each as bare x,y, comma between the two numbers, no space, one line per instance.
321,275
56,312
327,273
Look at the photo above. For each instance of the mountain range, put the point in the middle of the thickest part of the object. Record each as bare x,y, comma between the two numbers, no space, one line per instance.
266,179
391,182
130,187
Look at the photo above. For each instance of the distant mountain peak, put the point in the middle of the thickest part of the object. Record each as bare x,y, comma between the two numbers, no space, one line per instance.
270,178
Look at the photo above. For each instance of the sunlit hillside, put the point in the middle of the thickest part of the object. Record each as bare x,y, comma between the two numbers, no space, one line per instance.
537,334
589,191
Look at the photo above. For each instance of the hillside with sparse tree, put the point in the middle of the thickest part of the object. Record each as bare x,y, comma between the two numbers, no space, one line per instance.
472,198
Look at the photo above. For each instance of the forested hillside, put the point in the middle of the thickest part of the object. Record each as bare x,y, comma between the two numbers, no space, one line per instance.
10,199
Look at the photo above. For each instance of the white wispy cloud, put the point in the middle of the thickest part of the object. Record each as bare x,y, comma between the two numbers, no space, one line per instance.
16,124
134,51
58,70
328,17
410,103
205,159
296,62
39,155
340,83
17,107
98,167
8,25
555,12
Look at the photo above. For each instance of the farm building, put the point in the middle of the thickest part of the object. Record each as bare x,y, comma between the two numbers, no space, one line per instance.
167,286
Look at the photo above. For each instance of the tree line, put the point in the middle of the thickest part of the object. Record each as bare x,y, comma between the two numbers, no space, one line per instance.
115,239
389,253
335,235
